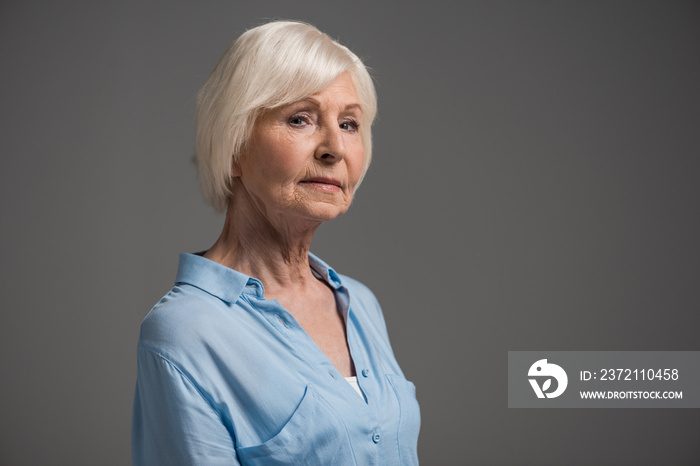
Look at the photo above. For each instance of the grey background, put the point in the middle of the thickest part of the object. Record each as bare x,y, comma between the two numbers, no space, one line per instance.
534,187
608,371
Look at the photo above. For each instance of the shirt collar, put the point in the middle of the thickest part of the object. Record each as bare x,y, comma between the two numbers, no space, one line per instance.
228,284
212,277
325,271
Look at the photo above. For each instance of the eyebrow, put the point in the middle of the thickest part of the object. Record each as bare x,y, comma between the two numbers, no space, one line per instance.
316,103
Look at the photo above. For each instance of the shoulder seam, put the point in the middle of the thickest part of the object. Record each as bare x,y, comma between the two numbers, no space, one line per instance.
184,376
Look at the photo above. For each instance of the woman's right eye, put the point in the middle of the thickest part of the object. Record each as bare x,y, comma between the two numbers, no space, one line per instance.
298,120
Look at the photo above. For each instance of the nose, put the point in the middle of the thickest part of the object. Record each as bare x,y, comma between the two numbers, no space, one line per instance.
331,148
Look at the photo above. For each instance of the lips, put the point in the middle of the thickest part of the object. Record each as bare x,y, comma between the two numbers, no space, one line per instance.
322,180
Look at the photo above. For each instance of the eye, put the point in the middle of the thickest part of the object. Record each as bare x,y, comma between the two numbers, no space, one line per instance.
299,120
349,125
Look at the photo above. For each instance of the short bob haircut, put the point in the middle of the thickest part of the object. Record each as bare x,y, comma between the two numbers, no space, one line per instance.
269,66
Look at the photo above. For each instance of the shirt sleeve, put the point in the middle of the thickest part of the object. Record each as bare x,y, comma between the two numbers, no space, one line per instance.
173,421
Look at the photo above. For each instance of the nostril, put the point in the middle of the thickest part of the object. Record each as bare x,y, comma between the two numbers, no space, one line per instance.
328,157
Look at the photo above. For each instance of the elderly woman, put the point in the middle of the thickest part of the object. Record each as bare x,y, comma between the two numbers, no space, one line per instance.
262,354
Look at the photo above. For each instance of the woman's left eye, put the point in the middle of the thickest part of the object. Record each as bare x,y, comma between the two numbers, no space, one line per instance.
350,125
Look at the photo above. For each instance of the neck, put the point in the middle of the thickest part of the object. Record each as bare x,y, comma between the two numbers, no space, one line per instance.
264,246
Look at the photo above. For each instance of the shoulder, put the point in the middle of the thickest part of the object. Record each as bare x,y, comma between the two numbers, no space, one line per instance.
364,302
184,318
358,289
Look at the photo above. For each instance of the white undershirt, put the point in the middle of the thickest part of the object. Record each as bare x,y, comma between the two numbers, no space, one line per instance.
353,383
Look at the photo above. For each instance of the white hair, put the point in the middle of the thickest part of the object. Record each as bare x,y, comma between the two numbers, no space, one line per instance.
272,65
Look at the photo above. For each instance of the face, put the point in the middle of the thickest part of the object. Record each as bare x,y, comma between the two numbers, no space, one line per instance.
304,159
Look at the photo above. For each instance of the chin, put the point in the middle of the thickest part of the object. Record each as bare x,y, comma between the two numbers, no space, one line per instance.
324,213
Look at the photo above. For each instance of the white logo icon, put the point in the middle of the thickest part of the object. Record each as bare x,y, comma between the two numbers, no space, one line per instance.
543,370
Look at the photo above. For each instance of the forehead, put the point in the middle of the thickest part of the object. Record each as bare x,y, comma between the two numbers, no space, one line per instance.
340,93
343,85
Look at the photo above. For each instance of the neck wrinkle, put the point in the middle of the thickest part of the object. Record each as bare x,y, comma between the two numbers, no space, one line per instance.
276,254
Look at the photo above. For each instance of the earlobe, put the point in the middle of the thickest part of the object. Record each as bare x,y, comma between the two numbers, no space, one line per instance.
235,167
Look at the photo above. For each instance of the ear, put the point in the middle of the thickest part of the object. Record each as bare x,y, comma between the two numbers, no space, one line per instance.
235,167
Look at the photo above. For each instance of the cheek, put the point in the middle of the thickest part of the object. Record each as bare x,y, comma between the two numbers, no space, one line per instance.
356,164
284,170
278,161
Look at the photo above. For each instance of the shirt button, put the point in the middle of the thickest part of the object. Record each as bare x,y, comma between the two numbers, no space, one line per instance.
376,438
365,372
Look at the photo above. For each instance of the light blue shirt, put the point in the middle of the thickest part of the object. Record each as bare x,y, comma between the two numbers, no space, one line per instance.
226,377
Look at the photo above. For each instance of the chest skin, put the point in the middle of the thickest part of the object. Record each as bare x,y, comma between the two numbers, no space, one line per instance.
317,313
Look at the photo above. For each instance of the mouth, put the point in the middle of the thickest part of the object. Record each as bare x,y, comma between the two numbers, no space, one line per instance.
322,183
